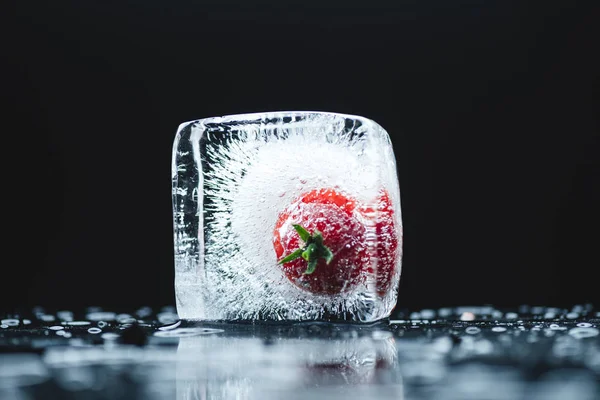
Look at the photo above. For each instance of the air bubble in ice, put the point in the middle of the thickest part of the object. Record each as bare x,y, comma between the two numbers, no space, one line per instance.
10,322
102,324
556,327
498,329
3,326
583,332
584,325
94,331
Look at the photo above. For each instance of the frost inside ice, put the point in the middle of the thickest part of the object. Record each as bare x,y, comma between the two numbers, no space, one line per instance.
233,176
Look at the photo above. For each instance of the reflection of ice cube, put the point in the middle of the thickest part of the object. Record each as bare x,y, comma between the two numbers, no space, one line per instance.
210,367
232,176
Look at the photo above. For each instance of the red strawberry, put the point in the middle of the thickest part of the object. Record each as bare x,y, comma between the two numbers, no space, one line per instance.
380,217
322,242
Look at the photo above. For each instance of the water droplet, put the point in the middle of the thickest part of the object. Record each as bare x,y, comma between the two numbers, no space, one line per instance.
472,330
428,314
167,317
583,333
125,319
184,332
444,312
26,322
65,315
511,315
572,315
169,327
3,326
78,323
57,328
109,336
101,316
584,325
144,312
94,331
60,333
101,324
68,334
498,329
556,327
47,317
10,322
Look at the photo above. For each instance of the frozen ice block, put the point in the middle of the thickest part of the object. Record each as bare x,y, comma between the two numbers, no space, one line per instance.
285,216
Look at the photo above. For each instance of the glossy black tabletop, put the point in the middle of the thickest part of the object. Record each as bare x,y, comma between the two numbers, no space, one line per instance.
447,353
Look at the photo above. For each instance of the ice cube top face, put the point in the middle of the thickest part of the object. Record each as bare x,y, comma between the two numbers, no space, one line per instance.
285,216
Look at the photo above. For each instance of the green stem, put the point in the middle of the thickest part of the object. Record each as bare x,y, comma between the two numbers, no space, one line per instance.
313,250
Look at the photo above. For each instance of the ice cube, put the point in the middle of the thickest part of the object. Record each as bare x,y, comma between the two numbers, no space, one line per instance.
242,184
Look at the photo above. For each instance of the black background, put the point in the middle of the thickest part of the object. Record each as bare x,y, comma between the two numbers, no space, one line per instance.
490,106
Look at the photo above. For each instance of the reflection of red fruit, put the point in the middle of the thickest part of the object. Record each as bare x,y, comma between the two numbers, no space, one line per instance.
382,216
337,253
344,371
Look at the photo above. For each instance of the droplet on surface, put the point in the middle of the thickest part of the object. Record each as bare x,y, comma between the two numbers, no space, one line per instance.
57,328
583,332
169,327
94,331
472,330
511,315
101,316
498,329
10,322
109,336
184,332
78,323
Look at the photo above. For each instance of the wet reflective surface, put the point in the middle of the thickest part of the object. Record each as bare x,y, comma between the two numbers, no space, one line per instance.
449,353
